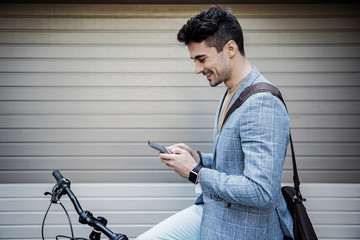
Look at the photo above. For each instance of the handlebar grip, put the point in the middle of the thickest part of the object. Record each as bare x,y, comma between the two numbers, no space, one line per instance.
57,175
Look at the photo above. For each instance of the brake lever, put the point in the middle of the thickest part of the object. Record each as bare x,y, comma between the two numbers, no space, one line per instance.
59,190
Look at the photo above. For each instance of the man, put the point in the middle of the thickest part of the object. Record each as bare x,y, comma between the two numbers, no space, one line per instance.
241,180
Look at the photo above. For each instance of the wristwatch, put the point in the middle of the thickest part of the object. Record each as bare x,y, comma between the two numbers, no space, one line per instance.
194,174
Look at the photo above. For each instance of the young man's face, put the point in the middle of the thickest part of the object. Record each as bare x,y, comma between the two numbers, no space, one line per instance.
216,67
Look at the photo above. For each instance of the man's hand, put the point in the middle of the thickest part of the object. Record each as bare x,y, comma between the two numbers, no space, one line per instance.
180,161
192,152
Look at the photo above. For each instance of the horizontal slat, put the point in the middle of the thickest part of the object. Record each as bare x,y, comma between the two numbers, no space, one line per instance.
331,190
320,93
326,121
313,79
160,176
157,108
163,93
135,79
178,11
111,121
56,216
331,231
172,65
106,65
326,163
105,108
338,231
156,204
47,37
323,163
115,94
138,79
325,135
171,51
169,37
110,190
141,149
97,52
106,204
334,218
79,163
339,204
34,231
104,24
324,176
166,135
96,149
111,135
163,121
166,24
107,176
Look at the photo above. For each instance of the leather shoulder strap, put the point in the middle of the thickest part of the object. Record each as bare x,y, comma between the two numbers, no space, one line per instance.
251,90
266,87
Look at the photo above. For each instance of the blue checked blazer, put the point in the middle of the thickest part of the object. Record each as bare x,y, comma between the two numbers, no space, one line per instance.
245,170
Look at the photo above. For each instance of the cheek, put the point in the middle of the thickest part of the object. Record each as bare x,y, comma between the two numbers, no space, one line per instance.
212,66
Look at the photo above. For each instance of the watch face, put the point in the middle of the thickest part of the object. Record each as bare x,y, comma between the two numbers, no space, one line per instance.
193,177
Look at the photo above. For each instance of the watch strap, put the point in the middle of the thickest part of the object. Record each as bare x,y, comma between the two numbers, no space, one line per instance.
197,168
194,174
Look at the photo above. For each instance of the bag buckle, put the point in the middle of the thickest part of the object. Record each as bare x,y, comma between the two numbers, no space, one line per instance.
298,197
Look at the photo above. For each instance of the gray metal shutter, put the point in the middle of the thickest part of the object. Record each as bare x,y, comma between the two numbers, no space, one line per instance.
83,87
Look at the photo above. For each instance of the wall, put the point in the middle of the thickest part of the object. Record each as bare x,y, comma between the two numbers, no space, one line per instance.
83,87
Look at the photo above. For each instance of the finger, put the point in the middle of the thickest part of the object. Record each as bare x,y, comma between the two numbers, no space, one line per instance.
182,146
165,161
178,150
165,156
170,148
168,163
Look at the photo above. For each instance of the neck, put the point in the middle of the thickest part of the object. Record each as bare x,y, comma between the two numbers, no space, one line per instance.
241,68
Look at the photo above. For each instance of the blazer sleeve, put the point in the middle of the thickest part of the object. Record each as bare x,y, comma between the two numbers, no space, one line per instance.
264,137
207,159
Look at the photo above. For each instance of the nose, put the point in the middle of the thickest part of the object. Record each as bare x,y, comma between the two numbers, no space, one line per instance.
198,67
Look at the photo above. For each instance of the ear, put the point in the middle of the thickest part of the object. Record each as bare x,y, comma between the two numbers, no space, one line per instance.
231,48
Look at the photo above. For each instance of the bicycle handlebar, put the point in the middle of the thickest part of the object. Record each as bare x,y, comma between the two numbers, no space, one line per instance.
57,175
63,187
85,217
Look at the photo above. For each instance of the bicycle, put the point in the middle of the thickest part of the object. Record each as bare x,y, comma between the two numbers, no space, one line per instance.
61,188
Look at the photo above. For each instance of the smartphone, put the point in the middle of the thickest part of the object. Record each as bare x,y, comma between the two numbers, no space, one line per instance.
158,147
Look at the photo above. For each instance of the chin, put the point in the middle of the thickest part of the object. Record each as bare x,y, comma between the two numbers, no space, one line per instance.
214,84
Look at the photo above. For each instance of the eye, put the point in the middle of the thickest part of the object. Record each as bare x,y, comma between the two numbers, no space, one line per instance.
202,60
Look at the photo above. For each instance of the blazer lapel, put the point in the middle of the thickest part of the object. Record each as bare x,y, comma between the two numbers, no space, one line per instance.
249,80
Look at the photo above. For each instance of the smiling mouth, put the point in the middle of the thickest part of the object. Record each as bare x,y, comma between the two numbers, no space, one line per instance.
208,75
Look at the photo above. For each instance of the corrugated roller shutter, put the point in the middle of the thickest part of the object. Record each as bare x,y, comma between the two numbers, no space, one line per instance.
83,87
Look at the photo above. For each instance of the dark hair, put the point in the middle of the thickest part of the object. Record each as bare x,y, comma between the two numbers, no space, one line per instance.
215,26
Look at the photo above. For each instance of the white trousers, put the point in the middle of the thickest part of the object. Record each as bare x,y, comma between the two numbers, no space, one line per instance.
184,225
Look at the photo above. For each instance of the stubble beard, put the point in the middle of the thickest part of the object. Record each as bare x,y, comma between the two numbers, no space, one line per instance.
217,82
223,78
